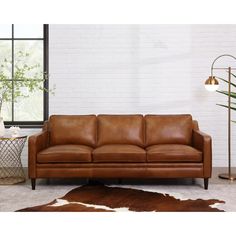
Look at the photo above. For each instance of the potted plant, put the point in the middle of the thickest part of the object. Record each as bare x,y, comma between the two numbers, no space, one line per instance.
25,76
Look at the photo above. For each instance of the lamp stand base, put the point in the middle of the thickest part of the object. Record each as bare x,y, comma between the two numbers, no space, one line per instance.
227,176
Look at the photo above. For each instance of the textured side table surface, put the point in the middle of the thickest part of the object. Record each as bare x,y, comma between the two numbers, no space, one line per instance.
11,170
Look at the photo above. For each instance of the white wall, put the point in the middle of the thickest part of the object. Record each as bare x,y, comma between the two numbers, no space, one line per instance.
142,69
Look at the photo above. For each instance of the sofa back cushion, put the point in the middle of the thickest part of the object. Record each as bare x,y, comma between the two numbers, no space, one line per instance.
168,129
120,129
73,129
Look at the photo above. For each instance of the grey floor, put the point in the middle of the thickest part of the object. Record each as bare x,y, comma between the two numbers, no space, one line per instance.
15,197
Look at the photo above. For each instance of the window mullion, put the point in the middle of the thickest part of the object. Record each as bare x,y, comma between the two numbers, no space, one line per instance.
45,70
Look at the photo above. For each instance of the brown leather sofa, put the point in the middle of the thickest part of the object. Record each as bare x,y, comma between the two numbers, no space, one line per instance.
120,146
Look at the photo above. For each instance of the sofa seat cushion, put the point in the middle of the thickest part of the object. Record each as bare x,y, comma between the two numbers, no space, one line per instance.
119,153
69,153
173,153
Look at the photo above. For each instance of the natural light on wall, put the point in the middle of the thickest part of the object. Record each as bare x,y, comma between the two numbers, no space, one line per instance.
21,46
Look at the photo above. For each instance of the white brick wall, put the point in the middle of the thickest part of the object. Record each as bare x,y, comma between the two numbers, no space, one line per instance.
142,69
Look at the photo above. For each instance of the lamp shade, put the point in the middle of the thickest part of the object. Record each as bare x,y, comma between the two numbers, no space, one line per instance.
211,84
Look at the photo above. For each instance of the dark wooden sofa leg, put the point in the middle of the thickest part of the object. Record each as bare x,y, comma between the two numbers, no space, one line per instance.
33,183
206,183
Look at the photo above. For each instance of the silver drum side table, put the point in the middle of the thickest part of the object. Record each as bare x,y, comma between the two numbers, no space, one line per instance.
11,170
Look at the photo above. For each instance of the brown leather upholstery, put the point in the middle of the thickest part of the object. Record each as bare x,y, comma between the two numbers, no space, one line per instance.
123,172
73,129
120,129
112,146
173,153
65,153
195,125
119,153
168,129
120,165
36,143
202,142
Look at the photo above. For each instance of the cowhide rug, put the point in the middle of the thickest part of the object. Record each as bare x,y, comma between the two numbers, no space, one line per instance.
100,198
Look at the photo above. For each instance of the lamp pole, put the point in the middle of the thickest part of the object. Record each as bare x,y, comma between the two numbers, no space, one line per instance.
214,82
229,125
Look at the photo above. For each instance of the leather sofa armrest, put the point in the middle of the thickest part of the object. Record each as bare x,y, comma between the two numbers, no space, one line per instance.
36,143
203,143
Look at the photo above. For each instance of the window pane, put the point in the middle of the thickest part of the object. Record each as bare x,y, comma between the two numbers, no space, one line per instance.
7,111
29,53
28,108
28,31
29,63
5,31
5,59
5,74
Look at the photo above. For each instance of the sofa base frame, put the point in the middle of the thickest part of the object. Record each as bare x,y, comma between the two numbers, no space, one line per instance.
91,181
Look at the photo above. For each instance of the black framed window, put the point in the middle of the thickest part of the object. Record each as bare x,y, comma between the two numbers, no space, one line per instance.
29,45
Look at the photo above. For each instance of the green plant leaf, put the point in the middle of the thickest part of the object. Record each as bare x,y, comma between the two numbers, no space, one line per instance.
233,108
226,81
233,75
232,94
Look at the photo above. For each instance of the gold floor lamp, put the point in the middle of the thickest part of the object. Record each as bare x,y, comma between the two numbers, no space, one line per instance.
212,84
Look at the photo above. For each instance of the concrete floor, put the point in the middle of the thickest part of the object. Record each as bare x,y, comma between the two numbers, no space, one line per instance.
15,197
